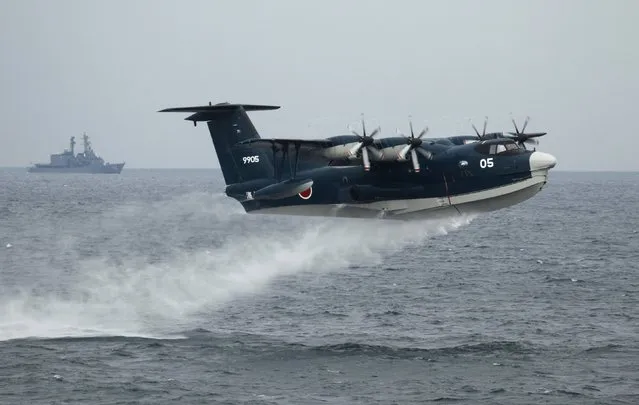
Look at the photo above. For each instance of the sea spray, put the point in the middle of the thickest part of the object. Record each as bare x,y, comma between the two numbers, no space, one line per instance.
138,295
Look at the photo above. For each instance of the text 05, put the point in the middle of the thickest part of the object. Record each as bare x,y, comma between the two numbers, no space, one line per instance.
484,163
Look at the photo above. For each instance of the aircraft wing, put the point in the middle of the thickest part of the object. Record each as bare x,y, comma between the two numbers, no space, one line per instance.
305,145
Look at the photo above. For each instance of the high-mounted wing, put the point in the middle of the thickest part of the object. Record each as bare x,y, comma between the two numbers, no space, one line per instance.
283,143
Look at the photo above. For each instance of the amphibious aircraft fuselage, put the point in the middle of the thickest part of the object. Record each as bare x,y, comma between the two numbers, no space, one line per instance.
403,177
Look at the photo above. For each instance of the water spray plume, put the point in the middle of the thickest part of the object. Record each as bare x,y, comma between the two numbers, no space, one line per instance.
137,296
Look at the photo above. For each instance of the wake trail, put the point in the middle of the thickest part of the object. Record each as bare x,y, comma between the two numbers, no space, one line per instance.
136,295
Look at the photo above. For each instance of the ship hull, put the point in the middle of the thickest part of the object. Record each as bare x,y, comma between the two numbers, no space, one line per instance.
106,169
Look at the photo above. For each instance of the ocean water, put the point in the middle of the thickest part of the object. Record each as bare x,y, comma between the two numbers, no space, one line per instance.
153,287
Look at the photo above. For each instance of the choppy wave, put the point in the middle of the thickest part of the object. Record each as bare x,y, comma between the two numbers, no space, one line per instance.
351,348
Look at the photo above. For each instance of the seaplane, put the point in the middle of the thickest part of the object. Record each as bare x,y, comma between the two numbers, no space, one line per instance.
365,175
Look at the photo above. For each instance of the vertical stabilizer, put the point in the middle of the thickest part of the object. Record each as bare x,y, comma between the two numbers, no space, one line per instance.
229,124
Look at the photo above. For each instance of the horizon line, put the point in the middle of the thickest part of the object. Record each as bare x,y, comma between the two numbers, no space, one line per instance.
218,168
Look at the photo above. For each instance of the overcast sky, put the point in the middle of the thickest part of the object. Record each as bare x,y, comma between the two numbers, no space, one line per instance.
106,67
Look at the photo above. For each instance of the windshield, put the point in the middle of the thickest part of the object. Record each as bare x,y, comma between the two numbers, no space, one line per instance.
501,148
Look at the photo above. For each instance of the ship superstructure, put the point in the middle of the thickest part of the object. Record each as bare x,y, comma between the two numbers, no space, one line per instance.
69,162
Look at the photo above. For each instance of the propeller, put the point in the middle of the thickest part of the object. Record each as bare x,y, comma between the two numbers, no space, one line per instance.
413,146
525,138
483,133
365,141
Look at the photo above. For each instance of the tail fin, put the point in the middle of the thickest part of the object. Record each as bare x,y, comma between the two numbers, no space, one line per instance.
229,124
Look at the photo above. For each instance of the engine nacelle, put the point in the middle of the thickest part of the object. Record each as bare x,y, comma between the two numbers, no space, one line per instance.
340,152
388,154
389,151
391,154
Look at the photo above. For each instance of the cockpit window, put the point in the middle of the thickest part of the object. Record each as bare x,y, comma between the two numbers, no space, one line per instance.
483,148
507,148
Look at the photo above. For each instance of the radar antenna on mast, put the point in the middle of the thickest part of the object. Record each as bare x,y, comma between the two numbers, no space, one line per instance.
87,143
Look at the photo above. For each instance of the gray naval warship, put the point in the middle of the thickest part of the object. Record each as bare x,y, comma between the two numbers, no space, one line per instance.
69,162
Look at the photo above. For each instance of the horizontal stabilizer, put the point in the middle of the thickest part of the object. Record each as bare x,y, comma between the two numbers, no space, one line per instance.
210,112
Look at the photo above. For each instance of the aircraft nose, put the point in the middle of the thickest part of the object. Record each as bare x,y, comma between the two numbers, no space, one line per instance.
541,160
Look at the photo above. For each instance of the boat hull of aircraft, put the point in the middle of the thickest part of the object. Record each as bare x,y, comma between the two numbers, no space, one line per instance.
420,208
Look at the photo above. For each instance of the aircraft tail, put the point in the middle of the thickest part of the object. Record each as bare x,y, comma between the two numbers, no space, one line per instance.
229,124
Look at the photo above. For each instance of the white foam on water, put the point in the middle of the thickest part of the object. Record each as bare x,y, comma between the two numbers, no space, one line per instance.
140,298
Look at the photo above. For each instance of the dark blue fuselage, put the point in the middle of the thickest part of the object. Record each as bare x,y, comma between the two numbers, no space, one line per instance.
453,170
343,174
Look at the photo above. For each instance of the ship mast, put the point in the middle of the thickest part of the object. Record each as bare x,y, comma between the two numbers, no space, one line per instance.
87,144
72,144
